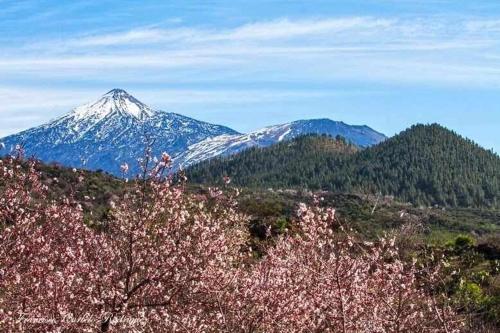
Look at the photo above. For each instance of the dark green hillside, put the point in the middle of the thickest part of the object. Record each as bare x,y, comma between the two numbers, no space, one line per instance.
425,165
428,164
306,161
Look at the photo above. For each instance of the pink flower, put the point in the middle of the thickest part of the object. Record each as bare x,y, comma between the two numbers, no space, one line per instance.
166,158
302,209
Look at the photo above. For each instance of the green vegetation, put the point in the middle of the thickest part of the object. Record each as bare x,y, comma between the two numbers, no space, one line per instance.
372,216
472,280
425,165
305,162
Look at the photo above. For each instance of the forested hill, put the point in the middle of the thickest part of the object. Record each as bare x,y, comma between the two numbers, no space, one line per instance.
425,165
304,161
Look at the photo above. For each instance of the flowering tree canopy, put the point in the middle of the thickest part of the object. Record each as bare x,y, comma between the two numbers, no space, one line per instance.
167,260
324,281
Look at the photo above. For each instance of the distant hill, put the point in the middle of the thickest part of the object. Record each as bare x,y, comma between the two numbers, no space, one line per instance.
425,165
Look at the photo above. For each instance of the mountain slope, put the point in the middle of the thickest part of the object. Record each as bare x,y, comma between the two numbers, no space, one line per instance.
225,145
117,128
426,164
111,131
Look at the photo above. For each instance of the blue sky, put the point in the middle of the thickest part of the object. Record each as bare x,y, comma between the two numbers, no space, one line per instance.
248,64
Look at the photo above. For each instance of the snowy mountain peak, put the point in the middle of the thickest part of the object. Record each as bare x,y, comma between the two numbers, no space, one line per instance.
113,130
117,127
116,101
117,93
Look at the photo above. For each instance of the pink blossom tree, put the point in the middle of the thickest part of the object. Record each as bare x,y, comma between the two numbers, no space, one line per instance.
321,280
167,260
47,255
155,265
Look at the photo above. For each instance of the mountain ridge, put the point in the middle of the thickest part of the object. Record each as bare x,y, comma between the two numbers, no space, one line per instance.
225,145
113,130
117,127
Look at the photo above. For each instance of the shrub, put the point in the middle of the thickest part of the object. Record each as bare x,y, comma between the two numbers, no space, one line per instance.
463,242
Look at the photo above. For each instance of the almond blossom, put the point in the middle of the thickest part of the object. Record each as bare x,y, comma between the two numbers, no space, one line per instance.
157,261
321,281
169,261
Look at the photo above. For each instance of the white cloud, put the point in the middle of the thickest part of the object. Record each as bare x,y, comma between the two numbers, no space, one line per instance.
106,61
370,31
437,50
286,28
263,31
16,99
483,26
137,36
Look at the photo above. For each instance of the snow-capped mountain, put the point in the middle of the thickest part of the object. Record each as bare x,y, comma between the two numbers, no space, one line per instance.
111,131
116,129
227,144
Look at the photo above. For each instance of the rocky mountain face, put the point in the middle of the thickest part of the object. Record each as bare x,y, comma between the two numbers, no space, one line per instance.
117,128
